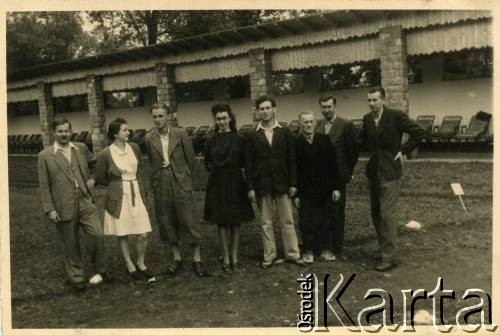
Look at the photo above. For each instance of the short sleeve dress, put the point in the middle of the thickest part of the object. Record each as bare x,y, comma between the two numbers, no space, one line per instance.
134,218
226,201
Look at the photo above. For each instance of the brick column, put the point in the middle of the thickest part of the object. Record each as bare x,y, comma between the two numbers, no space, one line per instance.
260,74
165,87
393,66
46,112
95,98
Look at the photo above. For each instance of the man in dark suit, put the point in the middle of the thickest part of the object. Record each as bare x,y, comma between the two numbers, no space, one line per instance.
317,186
66,193
172,159
341,133
271,175
381,133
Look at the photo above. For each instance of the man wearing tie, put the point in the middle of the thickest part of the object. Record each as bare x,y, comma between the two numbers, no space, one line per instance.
172,159
381,133
66,193
341,133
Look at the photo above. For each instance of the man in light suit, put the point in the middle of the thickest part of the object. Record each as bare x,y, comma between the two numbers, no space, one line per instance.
66,193
172,160
271,175
341,133
381,133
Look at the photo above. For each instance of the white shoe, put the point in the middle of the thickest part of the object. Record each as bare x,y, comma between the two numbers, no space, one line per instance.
308,257
328,256
96,279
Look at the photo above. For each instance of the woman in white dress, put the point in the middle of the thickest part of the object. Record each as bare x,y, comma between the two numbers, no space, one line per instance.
119,168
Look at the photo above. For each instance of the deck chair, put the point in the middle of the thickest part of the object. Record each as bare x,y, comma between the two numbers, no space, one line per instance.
29,144
88,141
244,129
138,137
16,142
23,143
81,136
426,121
199,139
190,130
295,127
448,129
477,129
10,143
38,143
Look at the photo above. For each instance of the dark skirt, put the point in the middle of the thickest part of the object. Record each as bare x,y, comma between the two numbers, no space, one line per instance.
226,200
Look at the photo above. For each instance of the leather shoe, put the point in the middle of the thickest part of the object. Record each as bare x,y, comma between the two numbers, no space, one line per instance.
174,268
147,275
385,266
198,270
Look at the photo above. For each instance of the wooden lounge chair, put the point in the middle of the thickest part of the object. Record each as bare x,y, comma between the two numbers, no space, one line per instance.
448,130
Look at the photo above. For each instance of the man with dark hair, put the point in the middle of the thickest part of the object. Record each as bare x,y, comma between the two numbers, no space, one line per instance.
172,160
341,133
271,175
381,133
66,193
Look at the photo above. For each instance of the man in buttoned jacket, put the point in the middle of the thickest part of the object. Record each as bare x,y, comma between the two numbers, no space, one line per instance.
172,160
341,133
317,186
66,193
381,133
271,175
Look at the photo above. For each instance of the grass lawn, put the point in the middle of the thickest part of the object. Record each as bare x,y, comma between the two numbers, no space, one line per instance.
452,244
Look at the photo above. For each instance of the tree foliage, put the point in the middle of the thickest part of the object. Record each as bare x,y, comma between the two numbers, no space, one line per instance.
118,30
35,38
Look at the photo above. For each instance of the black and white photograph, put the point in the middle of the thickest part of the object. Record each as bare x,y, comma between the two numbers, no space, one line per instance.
302,169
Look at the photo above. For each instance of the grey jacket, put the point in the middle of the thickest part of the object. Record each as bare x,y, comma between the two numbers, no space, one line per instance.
181,157
55,182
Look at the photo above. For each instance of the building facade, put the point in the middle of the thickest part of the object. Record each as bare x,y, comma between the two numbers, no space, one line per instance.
430,63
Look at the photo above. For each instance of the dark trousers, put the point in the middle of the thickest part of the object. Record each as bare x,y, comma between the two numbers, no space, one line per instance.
384,196
314,225
87,218
336,217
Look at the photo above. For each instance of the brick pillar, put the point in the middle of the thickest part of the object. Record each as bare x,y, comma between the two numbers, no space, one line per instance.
260,74
165,87
95,98
394,67
46,112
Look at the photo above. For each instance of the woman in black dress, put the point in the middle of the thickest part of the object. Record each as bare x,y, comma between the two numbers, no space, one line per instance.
226,203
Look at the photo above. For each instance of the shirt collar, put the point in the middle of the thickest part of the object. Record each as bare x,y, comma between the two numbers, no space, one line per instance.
276,124
332,120
58,147
163,136
379,113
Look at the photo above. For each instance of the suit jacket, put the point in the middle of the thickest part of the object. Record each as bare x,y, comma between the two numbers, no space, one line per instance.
55,182
344,140
108,174
181,156
316,168
270,169
384,142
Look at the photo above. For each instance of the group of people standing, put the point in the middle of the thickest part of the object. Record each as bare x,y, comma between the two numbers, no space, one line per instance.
270,168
